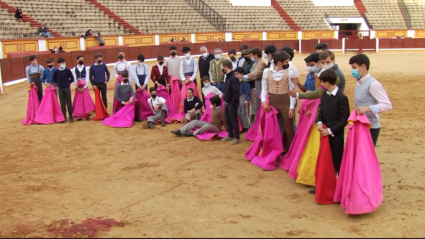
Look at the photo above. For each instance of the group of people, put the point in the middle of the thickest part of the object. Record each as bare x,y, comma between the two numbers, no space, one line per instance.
240,95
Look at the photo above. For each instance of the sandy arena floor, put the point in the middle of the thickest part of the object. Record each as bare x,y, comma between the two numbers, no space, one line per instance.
159,185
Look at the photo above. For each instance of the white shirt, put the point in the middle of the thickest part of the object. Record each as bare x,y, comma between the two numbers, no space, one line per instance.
277,76
80,69
121,66
141,70
212,89
161,68
154,102
241,61
195,68
294,70
235,64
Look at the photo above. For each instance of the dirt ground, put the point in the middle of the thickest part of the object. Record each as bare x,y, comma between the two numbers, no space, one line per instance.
159,185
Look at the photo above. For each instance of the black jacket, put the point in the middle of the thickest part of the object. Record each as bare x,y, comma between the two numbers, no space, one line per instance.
232,90
204,65
189,105
334,112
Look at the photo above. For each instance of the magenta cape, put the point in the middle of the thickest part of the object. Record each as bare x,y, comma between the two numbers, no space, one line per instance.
268,145
212,136
325,173
162,92
116,103
145,110
253,132
359,187
206,117
292,158
83,104
175,93
183,94
49,111
33,103
123,118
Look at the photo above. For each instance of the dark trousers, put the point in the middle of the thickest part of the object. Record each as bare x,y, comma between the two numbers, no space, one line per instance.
102,88
231,112
221,86
337,147
39,86
375,134
65,100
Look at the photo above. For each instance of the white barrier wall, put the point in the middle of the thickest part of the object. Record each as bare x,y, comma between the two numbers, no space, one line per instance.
266,3
328,3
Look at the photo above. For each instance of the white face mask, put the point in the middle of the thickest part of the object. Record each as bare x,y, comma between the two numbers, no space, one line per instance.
205,55
62,66
140,63
329,66
217,56
308,69
212,106
187,55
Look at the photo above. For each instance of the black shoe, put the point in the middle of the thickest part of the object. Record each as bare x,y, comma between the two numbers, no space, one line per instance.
138,120
163,115
151,125
177,132
313,191
244,131
71,120
188,134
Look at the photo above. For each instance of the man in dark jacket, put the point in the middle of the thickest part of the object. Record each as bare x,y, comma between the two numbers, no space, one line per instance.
231,98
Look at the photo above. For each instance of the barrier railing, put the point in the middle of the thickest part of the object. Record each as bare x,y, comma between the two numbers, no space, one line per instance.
210,14
406,14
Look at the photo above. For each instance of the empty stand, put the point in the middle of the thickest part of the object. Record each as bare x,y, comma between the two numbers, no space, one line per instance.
384,14
155,17
243,18
69,16
311,17
417,13
10,28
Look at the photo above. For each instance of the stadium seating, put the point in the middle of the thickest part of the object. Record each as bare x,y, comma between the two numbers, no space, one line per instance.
417,13
241,18
310,17
384,14
9,26
156,17
67,16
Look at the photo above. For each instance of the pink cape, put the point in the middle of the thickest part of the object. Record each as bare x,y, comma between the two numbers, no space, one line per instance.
212,136
162,92
268,145
359,187
123,118
292,158
206,117
145,110
253,132
175,93
33,103
49,111
116,103
183,94
83,104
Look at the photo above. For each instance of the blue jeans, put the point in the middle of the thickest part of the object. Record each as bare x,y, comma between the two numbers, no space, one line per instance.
221,86
47,34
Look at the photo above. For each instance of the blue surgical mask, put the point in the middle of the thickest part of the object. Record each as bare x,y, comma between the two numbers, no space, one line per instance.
266,56
217,56
314,69
207,84
62,66
356,74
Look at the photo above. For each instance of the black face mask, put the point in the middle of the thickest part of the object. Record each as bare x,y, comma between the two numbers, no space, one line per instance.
247,58
232,58
50,66
99,61
224,71
153,96
173,53
125,81
161,63
81,62
121,57
285,67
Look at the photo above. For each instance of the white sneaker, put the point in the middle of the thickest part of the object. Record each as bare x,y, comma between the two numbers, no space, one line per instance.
227,139
236,141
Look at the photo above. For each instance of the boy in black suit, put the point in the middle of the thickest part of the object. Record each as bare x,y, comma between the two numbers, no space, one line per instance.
334,113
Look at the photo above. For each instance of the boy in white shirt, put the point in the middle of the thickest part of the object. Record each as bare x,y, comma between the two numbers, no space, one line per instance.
159,108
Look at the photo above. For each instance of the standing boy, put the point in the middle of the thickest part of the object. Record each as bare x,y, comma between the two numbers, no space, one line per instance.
173,63
243,100
47,78
98,78
80,72
188,67
231,98
121,66
63,78
159,74
370,97
140,72
34,72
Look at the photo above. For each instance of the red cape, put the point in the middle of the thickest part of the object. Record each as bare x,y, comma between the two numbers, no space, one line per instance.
100,109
